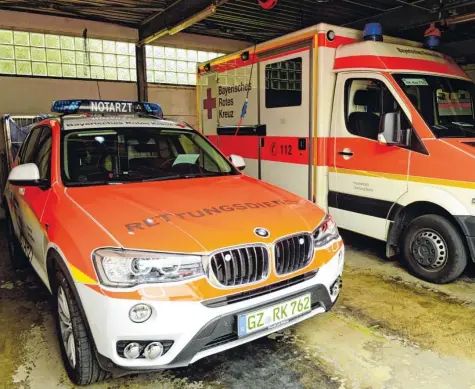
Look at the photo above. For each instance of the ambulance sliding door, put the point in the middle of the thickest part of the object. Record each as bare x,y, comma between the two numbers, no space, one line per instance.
285,101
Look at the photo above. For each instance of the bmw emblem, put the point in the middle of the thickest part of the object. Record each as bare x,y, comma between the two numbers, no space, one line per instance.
262,232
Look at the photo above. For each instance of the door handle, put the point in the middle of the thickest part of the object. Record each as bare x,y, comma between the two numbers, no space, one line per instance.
346,153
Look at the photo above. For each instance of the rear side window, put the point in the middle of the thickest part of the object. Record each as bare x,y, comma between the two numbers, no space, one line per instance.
284,83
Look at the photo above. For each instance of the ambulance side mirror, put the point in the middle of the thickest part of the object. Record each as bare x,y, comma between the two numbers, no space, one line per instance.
391,130
237,161
27,174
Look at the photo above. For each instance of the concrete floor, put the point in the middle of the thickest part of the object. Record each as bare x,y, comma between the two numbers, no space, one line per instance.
388,331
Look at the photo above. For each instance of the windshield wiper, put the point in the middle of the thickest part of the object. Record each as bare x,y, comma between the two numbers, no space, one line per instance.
93,183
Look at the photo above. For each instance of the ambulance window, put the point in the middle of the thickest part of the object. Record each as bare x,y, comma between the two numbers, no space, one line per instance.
284,83
28,153
366,100
43,154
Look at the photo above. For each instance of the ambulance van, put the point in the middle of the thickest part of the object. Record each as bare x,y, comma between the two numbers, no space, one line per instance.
378,131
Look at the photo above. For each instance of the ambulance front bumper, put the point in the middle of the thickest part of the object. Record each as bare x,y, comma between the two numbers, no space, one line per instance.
194,330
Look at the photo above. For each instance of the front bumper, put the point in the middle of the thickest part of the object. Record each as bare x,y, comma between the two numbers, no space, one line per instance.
197,329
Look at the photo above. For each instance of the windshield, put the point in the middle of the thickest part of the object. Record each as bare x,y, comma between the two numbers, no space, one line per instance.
446,104
113,156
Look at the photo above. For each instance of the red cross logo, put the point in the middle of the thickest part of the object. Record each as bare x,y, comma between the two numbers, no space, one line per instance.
209,103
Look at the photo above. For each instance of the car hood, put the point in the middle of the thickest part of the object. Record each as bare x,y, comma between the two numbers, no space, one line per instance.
195,215
464,144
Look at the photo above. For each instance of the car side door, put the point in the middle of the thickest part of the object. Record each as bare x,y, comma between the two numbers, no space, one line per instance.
33,199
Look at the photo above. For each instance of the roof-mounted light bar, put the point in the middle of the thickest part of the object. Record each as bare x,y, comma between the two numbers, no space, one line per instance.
106,107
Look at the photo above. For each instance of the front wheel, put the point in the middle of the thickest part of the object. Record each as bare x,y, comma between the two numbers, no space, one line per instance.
76,347
433,249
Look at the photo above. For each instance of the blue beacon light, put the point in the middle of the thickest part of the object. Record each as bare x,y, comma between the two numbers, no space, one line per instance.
373,32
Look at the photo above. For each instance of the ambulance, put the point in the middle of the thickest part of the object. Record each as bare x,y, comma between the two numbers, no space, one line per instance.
378,131
156,249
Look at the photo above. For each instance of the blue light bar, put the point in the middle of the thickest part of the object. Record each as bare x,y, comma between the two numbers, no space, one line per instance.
373,32
106,107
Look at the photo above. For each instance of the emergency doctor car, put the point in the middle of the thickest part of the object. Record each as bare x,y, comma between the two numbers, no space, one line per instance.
157,249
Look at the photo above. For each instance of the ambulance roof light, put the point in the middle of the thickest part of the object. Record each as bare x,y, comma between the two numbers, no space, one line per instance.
432,37
106,107
373,32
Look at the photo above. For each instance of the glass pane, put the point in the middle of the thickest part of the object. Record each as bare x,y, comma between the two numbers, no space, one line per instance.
192,55
6,36
21,38
171,78
159,64
7,52
133,75
191,79
123,61
160,77
131,49
22,53
97,72
54,70
39,69
170,53
110,60
53,55
212,55
37,40
181,66
181,54
149,51
67,43
81,57
182,78
149,63
95,45
38,54
122,48
108,47
96,59
7,67
150,77
159,52
23,68
123,74
83,71
171,65
69,71
68,57
133,64
52,41
202,56
192,67
110,73
79,44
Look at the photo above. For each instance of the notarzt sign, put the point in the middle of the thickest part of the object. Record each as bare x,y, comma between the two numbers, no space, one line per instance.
112,106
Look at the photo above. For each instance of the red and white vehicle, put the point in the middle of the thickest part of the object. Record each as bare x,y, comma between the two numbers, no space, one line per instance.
380,133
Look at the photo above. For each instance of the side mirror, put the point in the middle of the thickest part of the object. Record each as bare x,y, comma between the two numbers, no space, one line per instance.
237,161
391,129
26,175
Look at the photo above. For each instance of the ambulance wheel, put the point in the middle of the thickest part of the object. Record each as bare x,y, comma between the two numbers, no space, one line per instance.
433,249
77,350
18,258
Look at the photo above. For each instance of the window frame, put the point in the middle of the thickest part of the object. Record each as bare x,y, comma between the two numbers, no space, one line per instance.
269,65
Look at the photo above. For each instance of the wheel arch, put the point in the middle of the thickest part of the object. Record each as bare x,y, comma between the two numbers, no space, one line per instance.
413,210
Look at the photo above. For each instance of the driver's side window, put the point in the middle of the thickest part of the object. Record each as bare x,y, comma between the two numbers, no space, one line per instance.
366,101
27,152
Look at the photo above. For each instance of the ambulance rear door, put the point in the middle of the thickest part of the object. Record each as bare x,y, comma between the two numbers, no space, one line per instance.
285,80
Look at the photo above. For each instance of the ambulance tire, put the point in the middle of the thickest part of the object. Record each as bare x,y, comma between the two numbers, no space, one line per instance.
86,370
18,258
444,238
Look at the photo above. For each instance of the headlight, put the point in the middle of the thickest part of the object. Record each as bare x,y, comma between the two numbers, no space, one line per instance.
326,232
121,268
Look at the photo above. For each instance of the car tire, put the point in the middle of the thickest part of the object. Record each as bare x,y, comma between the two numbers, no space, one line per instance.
18,258
77,350
433,249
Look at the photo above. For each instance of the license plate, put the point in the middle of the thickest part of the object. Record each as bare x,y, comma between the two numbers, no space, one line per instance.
274,315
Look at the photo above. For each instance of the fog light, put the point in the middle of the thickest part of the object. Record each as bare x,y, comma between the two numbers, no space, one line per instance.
336,287
153,350
132,351
140,313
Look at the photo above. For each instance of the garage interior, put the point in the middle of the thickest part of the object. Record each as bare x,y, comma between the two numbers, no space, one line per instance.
389,329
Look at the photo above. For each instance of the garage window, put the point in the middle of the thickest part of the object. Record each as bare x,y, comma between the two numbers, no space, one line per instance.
284,83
